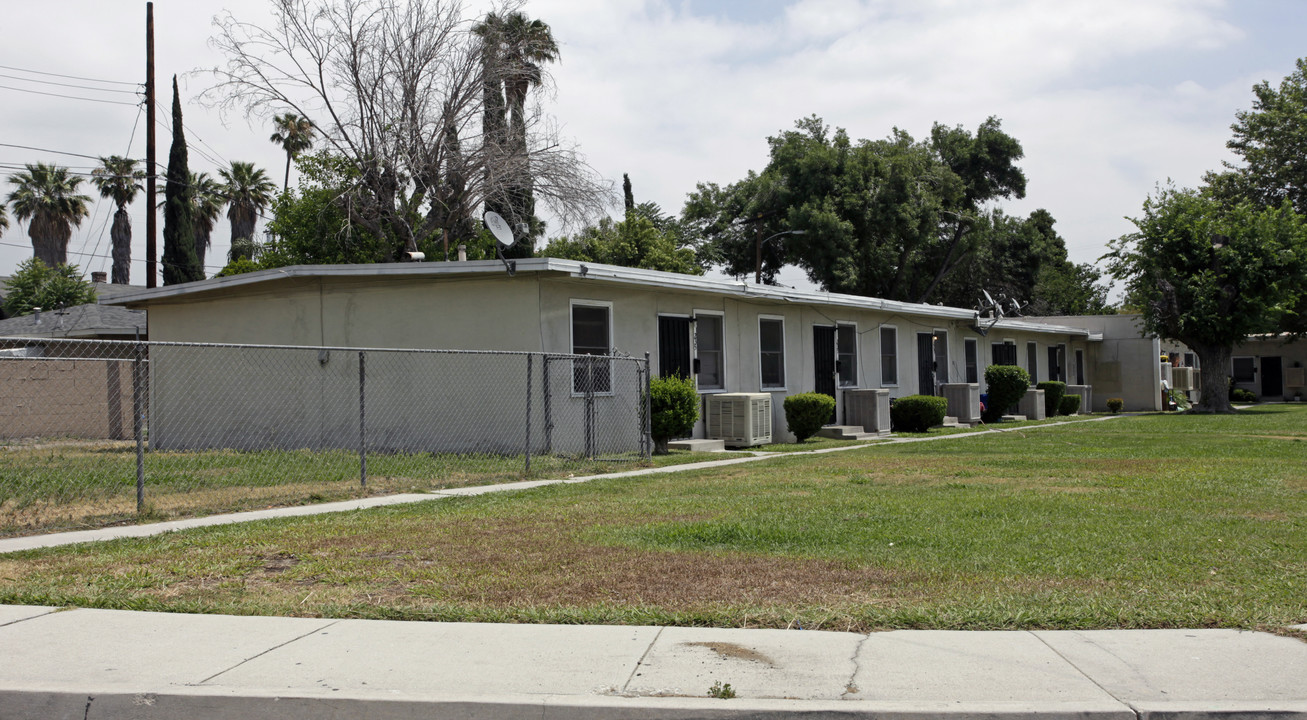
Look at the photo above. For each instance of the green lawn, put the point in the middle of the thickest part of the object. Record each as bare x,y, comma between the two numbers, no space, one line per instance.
66,485
1150,521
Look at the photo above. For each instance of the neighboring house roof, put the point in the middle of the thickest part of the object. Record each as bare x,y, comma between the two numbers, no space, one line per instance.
79,321
217,287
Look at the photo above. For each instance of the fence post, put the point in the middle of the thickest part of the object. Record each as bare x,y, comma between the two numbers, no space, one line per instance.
363,432
647,416
549,418
589,409
138,421
529,358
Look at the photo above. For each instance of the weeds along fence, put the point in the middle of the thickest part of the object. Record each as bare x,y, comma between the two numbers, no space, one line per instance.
96,432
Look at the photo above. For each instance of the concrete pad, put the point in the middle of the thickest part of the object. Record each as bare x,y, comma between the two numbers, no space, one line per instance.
18,613
399,660
94,650
698,445
788,664
1139,666
980,667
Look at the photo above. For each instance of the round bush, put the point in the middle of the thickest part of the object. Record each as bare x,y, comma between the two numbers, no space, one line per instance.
1053,392
1070,405
805,413
1007,385
1115,405
673,410
1243,396
917,413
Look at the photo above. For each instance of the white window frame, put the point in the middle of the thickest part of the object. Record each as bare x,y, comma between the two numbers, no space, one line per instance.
948,356
839,381
785,371
721,316
571,344
880,342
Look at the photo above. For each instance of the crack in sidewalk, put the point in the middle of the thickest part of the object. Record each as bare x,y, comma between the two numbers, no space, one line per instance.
265,652
850,688
1125,703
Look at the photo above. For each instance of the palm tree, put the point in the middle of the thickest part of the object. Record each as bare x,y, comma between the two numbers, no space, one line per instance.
295,134
526,45
207,199
118,179
248,192
4,220
46,195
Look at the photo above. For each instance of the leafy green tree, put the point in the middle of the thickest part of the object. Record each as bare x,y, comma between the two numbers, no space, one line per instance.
47,196
295,135
633,242
249,192
179,262
118,179
1208,274
890,218
36,285
1269,139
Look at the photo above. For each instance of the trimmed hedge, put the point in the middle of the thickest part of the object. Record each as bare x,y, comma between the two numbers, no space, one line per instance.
1115,405
1070,405
917,413
1054,390
1007,385
673,409
805,413
1240,395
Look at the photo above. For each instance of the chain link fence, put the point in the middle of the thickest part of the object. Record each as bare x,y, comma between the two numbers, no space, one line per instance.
98,432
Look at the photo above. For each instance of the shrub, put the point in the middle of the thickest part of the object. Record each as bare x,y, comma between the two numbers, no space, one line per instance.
917,413
1070,405
1243,396
673,409
1115,405
1053,392
805,413
1007,384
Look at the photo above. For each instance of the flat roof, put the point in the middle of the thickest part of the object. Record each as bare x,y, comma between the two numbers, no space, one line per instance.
143,298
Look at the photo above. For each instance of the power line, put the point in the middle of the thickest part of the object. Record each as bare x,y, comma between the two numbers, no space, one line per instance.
69,97
68,77
70,85
47,150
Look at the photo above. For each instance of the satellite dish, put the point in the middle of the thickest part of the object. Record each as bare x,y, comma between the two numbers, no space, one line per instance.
499,228
989,300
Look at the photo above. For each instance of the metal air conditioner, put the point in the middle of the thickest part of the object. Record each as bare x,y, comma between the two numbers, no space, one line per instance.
739,419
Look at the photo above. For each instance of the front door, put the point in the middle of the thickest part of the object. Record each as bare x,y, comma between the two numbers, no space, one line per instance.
823,360
1272,378
673,346
925,363
1055,368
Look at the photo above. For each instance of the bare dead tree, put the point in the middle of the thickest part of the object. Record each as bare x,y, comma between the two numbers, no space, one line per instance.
396,88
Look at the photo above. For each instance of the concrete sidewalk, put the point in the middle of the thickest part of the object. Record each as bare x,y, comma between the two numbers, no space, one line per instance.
103,664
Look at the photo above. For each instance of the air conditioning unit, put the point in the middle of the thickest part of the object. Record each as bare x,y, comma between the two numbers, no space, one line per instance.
739,419
1184,378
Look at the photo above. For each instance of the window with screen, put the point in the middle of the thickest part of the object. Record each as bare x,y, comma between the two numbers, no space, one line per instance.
889,356
1244,369
846,358
591,335
708,338
969,348
771,352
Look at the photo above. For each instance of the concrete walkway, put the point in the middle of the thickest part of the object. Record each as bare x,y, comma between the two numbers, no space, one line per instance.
32,542
107,664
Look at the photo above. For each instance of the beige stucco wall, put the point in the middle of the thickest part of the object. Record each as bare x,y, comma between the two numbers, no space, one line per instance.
1293,358
1125,364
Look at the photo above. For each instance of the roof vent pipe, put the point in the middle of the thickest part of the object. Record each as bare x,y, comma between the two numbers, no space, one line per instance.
37,312
462,253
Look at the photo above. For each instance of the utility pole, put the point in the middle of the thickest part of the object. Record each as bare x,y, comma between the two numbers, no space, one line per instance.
151,204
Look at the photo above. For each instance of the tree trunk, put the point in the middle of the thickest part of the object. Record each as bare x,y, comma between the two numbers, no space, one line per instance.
121,236
49,239
660,446
1214,376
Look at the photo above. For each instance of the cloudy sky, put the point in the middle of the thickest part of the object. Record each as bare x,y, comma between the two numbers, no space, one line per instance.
1108,97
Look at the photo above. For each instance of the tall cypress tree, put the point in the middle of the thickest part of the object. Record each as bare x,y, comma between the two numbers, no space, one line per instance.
180,263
